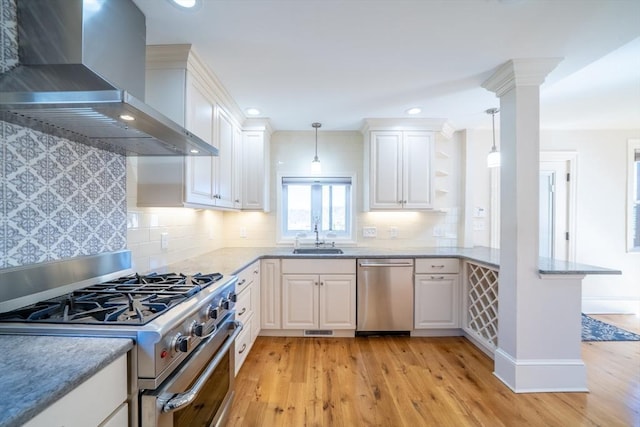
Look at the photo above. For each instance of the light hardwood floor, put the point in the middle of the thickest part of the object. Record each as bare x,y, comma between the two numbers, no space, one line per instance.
401,381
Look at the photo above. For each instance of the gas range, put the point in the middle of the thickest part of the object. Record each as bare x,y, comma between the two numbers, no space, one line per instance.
167,314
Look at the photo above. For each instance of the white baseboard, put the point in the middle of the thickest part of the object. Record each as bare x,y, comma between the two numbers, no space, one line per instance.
540,375
610,305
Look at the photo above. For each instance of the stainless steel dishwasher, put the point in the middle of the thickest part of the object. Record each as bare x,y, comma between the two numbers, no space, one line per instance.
385,296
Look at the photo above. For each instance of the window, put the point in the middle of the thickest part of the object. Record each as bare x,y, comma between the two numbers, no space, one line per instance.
307,201
634,196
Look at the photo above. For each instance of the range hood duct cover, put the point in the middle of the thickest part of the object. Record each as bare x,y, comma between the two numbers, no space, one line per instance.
81,67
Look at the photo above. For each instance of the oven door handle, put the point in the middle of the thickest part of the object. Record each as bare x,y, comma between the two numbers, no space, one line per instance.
183,399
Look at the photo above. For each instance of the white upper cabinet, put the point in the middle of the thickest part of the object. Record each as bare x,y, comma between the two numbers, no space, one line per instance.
400,170
399,163
181,87
255,166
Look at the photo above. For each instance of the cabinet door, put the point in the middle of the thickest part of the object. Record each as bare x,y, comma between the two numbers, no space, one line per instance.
253,170
199,111
223,164
300,301
416,172
199,180
236,180
270,294
337,301
436,301
386,170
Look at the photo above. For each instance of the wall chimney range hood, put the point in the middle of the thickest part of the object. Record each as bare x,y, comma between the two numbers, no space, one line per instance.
81,77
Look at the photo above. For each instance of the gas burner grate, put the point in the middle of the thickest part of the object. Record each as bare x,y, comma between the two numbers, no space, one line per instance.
132,299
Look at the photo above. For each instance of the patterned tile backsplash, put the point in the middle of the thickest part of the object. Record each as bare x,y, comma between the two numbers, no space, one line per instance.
59,199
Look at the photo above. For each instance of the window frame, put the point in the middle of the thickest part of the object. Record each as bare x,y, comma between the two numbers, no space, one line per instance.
347,238
632,191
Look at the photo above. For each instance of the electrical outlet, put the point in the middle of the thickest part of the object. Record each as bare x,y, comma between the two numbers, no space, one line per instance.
393,232
479,212
369,232
243,232
164,240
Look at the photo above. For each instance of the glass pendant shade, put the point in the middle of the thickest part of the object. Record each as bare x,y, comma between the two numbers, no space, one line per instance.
315,165
493,159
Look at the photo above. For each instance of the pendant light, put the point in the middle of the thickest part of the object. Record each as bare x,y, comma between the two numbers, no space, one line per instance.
315,164
493,159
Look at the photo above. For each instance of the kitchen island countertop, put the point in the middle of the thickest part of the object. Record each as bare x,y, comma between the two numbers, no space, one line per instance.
39,370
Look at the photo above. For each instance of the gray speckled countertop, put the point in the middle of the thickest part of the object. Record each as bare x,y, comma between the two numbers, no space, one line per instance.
39,370
232,260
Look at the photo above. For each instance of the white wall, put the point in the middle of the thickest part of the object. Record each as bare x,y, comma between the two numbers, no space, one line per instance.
190,232
601,215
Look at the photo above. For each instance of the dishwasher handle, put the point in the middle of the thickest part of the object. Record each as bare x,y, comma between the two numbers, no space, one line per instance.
385,264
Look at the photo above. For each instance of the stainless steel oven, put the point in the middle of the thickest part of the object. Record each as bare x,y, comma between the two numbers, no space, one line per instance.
200,391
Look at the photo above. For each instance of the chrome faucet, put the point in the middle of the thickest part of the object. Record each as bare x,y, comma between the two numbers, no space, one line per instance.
315,230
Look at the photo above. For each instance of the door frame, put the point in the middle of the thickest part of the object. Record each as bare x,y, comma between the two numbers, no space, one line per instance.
571,157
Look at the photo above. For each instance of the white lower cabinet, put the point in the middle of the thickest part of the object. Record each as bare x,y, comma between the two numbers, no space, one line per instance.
81,407
324,301
247,311
437,293
319,294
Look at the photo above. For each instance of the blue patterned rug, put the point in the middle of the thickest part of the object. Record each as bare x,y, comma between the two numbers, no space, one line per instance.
595,330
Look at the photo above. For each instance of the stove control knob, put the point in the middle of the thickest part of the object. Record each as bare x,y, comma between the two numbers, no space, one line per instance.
231,296
197,329
225,303
213,312
181,343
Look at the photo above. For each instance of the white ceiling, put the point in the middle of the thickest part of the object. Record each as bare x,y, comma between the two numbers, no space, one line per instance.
339,61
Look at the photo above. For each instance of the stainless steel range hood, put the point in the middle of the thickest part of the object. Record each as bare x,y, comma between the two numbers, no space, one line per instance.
81,77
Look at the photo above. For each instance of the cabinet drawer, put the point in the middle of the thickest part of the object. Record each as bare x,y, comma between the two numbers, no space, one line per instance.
243,304
437,265
318,266
247,276
243,345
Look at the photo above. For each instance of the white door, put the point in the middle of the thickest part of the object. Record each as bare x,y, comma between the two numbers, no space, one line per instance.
554,212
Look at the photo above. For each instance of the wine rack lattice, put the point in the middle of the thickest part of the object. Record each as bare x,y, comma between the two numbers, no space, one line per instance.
482,303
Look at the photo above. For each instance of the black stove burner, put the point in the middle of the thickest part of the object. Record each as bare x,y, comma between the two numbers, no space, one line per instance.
131,299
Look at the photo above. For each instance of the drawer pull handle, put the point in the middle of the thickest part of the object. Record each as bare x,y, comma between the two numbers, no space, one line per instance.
437,277
437,266
244,310
244,347
241,282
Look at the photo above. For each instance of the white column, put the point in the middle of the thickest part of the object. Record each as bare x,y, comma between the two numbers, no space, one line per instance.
539,320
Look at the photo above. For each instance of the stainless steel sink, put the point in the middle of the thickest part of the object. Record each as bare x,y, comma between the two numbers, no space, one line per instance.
318,251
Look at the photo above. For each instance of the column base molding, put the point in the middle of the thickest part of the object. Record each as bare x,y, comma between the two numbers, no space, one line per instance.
540,375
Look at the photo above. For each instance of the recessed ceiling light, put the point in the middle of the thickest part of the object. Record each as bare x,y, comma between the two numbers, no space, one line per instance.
194,151
187,4
127,117
252,111
414,110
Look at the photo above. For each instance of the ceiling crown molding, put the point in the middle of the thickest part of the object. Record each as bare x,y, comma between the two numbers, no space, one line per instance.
520,72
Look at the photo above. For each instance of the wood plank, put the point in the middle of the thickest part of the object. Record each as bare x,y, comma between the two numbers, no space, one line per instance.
401,381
